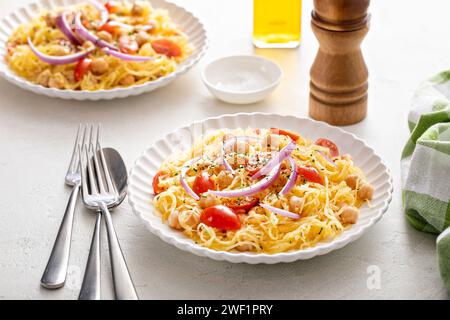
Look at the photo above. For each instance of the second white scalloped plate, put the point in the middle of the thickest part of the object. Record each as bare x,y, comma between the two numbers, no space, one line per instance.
141,176
183,18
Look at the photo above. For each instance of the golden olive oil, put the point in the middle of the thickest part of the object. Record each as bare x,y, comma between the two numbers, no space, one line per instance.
277,23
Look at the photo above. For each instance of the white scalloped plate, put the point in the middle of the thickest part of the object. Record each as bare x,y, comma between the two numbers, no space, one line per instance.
183,18
140,182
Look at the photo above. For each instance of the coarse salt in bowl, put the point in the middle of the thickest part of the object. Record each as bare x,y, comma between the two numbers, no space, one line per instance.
242,79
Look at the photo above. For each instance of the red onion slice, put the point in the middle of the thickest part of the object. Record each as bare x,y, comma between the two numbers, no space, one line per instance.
183,181
283,154
63,25
126,57
87,35
292,178
104,14
58,60
279,211
231,141
251,190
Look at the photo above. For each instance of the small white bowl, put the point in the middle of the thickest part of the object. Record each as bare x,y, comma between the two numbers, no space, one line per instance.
241,79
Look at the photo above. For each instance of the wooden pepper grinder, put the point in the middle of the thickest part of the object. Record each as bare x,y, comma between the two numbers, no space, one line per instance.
339,74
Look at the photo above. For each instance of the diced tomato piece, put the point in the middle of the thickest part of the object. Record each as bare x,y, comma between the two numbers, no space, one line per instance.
128,45
166,47
81,68
294,136
334,151
220,217
112,6
310,174
202,183
245,204
156,188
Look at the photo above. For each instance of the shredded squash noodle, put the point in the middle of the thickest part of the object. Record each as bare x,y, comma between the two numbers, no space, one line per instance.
133,29
320,204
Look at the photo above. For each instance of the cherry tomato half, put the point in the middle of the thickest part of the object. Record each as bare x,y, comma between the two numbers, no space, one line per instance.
81,68
245,204
294,136
334,151
166,47
310,174
202,183
156,188
220,217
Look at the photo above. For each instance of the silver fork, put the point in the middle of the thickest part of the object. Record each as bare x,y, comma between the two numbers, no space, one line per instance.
56,270
99,192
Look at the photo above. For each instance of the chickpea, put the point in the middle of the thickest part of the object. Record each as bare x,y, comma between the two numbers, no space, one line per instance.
56,82
87,45
50,19
352,181
70,76
244,247
128,80
44,78
138,9
349,215
296,204
365,191
173,220
224,179
208,201
192,219
59,50
142,38
99,66
105,36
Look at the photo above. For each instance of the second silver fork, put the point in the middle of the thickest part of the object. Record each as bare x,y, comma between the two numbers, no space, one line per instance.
56,270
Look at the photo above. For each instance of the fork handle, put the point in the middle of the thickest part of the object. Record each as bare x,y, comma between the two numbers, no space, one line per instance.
123,285
90,289
56,270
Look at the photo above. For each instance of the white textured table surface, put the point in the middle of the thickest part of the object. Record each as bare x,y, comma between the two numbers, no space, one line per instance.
406,44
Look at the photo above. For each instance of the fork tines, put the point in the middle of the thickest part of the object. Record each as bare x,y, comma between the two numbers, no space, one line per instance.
95,175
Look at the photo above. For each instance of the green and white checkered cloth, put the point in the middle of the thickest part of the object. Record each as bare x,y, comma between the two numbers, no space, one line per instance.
426,165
